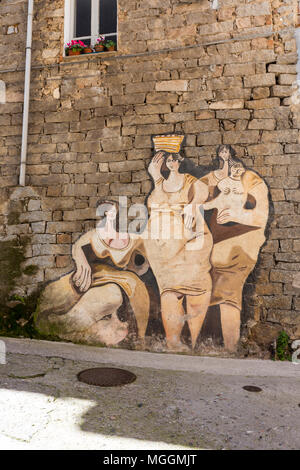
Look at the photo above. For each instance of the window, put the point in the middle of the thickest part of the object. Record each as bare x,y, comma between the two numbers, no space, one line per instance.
86,20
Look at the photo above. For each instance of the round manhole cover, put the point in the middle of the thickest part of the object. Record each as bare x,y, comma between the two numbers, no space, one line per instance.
106,377
252,388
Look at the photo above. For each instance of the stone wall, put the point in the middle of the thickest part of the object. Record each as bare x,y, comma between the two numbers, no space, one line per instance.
225,75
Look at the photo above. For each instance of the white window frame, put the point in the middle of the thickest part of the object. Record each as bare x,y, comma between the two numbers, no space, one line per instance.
70,23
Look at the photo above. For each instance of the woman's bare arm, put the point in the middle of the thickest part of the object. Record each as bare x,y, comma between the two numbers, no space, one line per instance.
199,197
155,166
83,276
211,204
222,173
256,217
200,192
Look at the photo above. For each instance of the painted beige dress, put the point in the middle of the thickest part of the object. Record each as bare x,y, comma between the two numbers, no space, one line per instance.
236,246
179,258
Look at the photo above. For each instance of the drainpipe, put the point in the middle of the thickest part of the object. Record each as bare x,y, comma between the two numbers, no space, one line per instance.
26,93
297,34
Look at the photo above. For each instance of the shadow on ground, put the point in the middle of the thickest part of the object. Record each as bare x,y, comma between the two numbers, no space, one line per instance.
49,405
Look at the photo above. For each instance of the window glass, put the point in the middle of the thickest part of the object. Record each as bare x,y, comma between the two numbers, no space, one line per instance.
113,37
108,17
83,18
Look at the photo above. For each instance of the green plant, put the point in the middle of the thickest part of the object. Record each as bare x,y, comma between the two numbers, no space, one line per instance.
16,311
11,259
18,320
75,46
13,218
110,43
17,298
282,349
31,270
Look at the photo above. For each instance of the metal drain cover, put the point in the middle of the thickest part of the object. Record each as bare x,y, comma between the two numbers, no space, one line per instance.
106,377
252,388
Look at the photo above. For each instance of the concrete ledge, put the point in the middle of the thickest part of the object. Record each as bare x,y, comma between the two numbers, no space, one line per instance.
176,362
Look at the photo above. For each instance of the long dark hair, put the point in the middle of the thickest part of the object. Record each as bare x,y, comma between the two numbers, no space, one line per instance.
164,169
198,171
186,166
221,147
232,159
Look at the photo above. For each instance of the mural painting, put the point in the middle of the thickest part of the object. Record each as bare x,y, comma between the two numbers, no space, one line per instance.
82,306
156,287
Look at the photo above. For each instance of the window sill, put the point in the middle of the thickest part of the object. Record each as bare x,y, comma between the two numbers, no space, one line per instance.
91,56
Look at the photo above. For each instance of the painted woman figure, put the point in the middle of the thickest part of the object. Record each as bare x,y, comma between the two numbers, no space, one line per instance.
179,244
239,199
83,304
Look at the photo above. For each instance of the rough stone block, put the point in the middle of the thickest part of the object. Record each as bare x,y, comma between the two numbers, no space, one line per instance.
79,190
287,79
117,144
62,227
260,80
288,136
263,104
282,91
196,127
227,104
255,9
209,138
85,147
239,69
268,124
261,93
133,165
119,189
172,85
246,137
65,116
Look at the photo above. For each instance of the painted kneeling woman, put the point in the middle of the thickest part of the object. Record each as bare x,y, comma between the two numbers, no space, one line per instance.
82,306
179,243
